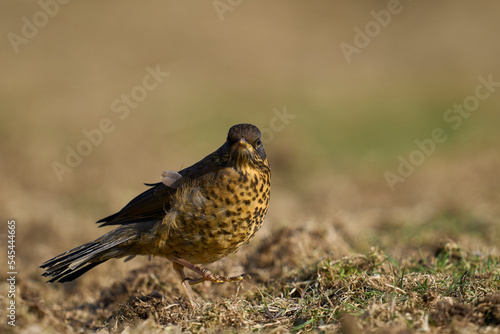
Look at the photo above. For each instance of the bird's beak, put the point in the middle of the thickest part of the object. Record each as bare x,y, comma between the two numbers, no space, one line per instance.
242,143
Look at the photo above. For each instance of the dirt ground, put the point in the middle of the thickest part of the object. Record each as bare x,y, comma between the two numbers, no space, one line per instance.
345,248
387,266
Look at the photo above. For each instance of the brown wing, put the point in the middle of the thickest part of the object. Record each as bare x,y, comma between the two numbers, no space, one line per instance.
150,205
154,203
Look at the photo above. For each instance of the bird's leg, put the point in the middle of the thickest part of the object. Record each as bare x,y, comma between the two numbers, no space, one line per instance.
206,275
179,269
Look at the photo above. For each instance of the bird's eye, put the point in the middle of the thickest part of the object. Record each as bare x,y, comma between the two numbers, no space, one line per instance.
258,143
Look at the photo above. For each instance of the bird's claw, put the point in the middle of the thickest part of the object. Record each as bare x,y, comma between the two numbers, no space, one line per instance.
214,278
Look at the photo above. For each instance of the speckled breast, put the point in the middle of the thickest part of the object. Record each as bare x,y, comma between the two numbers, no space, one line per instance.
216,218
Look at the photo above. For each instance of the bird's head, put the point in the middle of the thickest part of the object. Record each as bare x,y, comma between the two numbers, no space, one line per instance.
244,146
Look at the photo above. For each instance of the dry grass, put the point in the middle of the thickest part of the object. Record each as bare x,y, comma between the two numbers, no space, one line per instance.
444,291
319,277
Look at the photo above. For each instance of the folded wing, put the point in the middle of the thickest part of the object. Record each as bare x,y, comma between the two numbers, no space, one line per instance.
150,205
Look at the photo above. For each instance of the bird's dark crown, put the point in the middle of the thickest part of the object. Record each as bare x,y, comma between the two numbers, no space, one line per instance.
248,131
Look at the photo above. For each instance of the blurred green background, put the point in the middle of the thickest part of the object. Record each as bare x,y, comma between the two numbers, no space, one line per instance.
352,120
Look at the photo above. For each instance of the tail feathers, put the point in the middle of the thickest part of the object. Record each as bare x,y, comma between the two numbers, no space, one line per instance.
67,275
74,263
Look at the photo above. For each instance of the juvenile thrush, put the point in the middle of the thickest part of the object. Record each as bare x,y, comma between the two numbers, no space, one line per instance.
195,216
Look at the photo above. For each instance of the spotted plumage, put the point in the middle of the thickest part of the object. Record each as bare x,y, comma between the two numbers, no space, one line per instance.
195,216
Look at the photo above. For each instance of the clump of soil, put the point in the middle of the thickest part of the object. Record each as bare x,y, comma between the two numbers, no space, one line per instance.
483,312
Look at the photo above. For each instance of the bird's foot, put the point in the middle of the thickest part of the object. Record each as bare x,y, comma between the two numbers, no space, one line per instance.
206,275
214,278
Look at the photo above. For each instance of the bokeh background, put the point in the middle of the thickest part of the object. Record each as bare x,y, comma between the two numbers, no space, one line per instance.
352,120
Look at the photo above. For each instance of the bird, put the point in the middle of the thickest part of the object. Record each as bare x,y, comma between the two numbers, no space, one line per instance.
194,216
